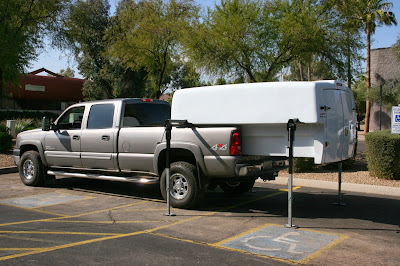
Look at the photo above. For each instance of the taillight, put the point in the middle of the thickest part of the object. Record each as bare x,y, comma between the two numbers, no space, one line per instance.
236,143
147,100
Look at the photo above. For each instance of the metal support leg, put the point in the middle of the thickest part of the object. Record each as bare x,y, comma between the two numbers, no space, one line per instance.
291,127
168,129
339,202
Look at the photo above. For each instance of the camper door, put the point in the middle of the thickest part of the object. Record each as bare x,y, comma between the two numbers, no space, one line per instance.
339,125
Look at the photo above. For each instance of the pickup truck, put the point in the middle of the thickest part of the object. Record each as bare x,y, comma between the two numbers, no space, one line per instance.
124,140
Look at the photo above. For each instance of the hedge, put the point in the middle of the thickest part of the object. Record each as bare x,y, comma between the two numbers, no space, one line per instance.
13,115
5,142
383,154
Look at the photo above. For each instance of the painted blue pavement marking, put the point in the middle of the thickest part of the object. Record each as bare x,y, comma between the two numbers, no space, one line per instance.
285,243
41,200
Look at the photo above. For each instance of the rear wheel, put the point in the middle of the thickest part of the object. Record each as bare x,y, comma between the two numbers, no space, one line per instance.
184,186
237,187
31,169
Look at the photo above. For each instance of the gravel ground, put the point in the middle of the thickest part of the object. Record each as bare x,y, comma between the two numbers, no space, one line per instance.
6,160
358,174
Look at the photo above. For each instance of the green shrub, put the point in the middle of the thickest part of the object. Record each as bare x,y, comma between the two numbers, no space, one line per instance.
383,154
14,115
5,142
302,165
3,128
25,124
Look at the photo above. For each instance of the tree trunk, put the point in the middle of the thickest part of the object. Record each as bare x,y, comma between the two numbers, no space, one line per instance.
301,72
349,78
1,88
368,107
309,72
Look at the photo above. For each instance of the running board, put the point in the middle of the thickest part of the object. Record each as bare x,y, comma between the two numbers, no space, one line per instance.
147,179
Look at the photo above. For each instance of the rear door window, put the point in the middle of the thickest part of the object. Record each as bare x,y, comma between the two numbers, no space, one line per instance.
101,116
146,114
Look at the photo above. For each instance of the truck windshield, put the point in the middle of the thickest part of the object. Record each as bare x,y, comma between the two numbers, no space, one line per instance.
146,114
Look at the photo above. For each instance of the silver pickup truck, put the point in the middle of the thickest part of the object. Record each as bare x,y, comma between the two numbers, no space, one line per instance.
124,140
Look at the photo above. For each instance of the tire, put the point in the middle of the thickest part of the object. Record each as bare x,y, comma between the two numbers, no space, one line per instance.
184,190
31,169
237,187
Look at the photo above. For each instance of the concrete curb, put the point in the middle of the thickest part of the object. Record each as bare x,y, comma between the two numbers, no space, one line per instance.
349,187
8,170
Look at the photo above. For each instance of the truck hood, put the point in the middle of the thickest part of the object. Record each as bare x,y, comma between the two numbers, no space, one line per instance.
33,137
30,131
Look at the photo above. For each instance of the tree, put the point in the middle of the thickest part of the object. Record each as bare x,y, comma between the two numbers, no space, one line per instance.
184,76
390,93
359,91
372,13
396,48
23,25
256,39
349,35
69,73
83,32
228,39
322,41
146,35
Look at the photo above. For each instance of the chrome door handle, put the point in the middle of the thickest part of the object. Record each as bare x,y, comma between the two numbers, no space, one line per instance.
75,137
105,138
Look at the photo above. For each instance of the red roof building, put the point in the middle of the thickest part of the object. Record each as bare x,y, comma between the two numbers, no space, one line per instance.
37,91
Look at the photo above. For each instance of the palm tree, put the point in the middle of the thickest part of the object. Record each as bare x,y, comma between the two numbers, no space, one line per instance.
352,30
372,13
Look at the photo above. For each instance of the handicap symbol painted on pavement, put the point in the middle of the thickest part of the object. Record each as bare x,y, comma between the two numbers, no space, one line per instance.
281,242
282,239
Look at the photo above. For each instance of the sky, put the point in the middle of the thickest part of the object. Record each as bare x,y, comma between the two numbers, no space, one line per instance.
55,60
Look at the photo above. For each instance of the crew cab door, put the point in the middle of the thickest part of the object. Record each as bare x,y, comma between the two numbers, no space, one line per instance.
98,150
142,129
62,146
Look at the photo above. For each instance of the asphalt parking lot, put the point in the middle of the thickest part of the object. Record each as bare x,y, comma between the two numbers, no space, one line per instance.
78,221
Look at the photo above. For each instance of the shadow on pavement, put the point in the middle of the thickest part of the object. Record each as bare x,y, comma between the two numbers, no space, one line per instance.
308,203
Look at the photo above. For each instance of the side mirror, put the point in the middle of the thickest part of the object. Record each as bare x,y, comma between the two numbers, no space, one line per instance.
45,124
53,127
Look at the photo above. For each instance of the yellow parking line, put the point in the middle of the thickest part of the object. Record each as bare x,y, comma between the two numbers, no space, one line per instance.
110,222
65,202
43,250
29,239
56,233
143,210
303,261
324,249
16,249
73,216
216,245
32,209
241,234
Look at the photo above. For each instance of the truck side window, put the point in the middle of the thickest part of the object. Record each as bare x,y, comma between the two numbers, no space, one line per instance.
101,116
72,119
146,114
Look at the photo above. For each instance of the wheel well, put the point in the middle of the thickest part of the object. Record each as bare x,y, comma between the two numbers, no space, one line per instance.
176,156
28,148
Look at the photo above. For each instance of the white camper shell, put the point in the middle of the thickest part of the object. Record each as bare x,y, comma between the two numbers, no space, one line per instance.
326,110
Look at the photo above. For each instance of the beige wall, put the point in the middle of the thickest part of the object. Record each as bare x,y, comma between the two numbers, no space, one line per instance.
384,66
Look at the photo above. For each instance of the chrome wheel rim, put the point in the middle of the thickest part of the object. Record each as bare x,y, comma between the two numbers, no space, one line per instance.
28,169
180,186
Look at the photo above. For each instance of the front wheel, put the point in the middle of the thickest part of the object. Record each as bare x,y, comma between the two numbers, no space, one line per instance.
31,169
184,187
237,187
